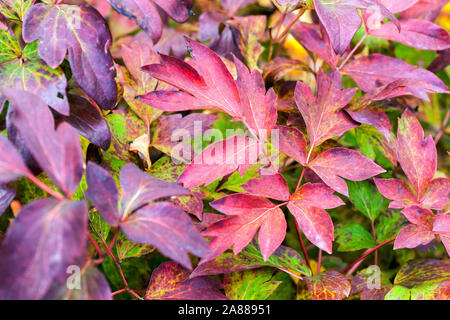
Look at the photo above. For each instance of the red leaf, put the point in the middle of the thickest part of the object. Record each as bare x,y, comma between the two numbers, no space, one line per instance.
426,9
258,107
328,285
316,224
372,71
89,57
292,142
58,151
373,117
232,6
417,156
397,5
417,33
349,164
419,216
308,35
412,236
139,188
208,83
170,281
46,237
219,159
271,185
322,114
307,206
169,229
442,224
436,196
441,227
341,19
316,195
396,190
251,213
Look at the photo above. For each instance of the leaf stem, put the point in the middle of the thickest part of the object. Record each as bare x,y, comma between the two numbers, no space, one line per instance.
286,30
365,254
353,51
376,241
301,178
319,261
305,253
442,129
45,187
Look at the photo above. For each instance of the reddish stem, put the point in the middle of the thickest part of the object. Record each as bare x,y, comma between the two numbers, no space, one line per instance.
352,52
305,253
365,254
376,241
44,187
442,129
319,261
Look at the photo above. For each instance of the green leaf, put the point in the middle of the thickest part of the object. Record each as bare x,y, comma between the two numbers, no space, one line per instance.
125,128
366,198
389,224
398,293
286,290
15,9
418,272
98,227
125,248
9,46
353,237
424,279
284,258
32,74
235,181
256,284
372,143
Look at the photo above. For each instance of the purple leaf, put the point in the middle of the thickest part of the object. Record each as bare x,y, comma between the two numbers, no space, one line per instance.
139,188
146,13
6,196
170,281
46,237
88,121
375,70
102,192
87,43
11,164
165,136
57,152
169,229
341,19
